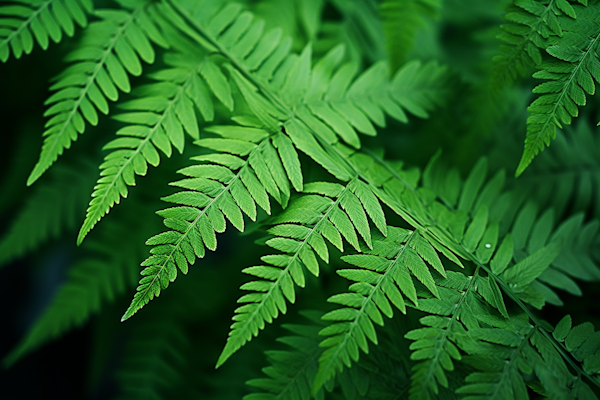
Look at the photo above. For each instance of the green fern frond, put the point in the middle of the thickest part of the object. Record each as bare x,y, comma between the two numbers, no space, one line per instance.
385,277
291,371
327,98
52,209
571,74
438,343
159,117
532,22
214,192
102,275
401,22
24,22
109,50
514,347
331,212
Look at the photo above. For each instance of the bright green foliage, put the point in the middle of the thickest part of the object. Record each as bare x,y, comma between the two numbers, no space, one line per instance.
110,50
332,212
532,23
221,187
24,22
299,121
385,280
570,74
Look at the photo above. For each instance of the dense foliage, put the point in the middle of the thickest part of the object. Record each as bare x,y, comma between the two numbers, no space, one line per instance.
392,236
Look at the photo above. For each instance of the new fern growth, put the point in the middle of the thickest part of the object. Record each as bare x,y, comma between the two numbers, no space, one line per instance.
423,277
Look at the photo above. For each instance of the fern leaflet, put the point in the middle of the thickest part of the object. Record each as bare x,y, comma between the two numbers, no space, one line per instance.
332,212
110,50
22,21
531,24
214,191
384,277
158,118
571,74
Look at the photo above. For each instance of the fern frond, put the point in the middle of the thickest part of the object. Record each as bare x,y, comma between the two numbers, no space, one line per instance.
24,22
102,275
438,343
385,278
159,117
326,98
571,74
52,209
333,211
532,22
109,50
514,346
214,192
291,371
401,22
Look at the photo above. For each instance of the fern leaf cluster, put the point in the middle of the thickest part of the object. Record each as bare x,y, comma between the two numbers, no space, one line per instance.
25,22
571,75
317,152
531,24
110,51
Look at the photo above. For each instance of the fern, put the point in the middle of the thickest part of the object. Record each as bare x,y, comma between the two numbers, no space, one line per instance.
25,20
573,186
237,186
386,277
302,231
532,23
571,74
295,122
158,121
370,86
110,50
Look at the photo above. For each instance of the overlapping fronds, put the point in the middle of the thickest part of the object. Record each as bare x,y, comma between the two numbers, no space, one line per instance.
158,119
401,21
384,278
222,186
507,350
107,271
522,252
328,98
24,22
291,372
109,51
53,209
572,72
532,22
331,212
